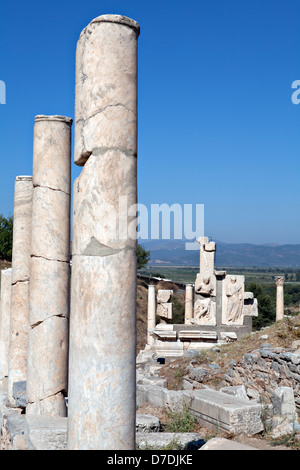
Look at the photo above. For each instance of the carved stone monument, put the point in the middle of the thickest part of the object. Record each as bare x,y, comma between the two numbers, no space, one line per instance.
164,308
206,280
233,300
218,311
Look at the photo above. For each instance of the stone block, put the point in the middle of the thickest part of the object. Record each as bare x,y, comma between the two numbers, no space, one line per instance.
237,391
221,411
46,432
165,310
164,295
220,443
283,402
169,348
147,423
19,393
162,440
165,334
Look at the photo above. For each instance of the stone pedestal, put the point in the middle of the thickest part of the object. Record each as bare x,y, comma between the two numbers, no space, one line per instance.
102,364
50,269
151,320
20,275
279,297
5,321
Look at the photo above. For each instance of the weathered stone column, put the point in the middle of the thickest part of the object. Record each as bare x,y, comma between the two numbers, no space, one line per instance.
50,267
5,321
279,297
189,303
102,366
19,319
151,320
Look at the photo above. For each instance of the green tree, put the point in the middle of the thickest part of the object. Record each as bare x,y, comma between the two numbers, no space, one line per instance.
143,256
6,236
266,306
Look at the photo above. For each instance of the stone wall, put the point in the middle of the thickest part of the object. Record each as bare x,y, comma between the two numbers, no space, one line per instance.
264,369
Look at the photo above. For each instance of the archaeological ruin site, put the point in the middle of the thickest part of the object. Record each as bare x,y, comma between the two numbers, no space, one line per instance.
70,376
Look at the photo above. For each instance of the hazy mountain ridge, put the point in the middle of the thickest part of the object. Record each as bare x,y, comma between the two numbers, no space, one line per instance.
173,253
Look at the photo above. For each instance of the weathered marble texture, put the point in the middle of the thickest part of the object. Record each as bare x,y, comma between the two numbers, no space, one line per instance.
46,377
164,295
53,299
19,328
101,407
19,321
101,402
5,320
50,269
52,133
50,224
104,180
22,229
165,310
106,87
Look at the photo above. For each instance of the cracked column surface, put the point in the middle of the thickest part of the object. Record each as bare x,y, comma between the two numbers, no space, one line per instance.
50,267
102,376
5,321
20,275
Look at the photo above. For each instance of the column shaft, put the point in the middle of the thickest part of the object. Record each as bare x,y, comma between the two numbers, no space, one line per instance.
279,298
19,320
5,321
151,320
50,270
102,365
189,303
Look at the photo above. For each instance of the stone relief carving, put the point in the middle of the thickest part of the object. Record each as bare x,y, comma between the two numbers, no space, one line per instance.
204,312
233,300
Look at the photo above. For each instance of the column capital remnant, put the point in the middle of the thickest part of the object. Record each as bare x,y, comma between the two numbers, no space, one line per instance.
279,280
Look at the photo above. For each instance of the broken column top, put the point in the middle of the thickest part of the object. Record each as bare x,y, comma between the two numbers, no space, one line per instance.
115,19
56,117
24,178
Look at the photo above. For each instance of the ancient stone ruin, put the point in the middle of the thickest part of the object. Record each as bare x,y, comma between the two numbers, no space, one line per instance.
217,310
70,348
68,365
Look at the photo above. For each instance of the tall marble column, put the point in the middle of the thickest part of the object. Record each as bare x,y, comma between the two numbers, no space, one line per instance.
279,297
189,303
20,275
151,320
102,365
5,321
50,267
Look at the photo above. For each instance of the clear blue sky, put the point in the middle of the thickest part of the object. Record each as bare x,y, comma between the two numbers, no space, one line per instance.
216,122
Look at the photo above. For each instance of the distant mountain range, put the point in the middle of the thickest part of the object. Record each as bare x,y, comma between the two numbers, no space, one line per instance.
173,253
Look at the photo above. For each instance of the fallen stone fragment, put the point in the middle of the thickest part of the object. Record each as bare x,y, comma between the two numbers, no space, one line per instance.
220,443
